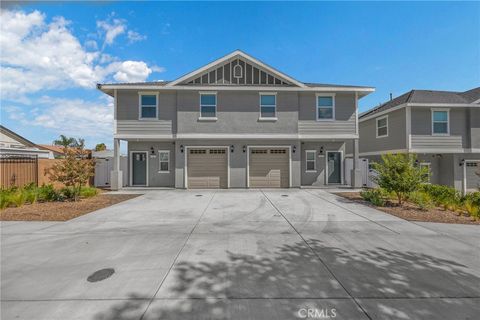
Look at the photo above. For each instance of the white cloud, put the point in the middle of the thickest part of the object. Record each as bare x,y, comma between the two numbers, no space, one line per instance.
39,55
132,71
135,36
73,117
112,29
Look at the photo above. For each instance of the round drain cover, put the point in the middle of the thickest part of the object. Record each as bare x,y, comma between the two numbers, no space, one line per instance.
100,275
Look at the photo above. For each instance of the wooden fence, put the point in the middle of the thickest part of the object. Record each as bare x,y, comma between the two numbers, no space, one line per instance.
18,170
21,170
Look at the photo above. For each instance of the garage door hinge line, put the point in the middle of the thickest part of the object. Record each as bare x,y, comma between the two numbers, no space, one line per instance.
177,255
317,256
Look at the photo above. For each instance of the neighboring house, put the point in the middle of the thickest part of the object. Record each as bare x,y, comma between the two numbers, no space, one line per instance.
58,151
234,123
442,127
12,144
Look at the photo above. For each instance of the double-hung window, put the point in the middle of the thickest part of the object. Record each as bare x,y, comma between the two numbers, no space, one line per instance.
268,106
310,160
325,107
208,105
164,158
382,127
440,119
428,174
148,105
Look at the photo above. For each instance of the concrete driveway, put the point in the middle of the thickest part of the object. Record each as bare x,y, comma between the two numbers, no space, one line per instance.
239,254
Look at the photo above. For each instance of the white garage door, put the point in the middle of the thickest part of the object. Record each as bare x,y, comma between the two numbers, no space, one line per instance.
473,176
207,168
269,168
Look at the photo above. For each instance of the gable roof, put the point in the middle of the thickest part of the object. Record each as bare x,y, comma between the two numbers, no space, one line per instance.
16,136
237,54
427,96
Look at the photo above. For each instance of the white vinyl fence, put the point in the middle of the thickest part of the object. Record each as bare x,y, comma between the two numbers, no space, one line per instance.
103,166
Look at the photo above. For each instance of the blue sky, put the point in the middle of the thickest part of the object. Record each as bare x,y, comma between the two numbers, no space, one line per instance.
54,53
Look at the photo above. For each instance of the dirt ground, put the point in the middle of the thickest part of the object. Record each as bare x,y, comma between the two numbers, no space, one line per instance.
411,213
62,211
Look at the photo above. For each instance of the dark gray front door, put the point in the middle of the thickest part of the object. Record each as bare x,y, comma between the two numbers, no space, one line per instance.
334,167
139,168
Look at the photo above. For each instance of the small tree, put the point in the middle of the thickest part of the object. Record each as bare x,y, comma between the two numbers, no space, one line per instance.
73,171
100,147
398,173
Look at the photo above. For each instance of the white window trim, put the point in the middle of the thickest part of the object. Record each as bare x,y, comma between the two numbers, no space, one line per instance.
377,127
448,121
200,105
160,161
332,95
147,93
314,160
260,118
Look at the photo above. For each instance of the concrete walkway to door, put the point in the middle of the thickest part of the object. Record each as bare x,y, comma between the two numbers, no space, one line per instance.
239,254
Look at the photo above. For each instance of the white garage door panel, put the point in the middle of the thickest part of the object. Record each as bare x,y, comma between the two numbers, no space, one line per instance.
207,168
269,168
473,180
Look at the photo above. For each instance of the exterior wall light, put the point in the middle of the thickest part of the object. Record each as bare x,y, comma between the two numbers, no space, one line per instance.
294,149
181,148
244,149
232,148
321,150
152,151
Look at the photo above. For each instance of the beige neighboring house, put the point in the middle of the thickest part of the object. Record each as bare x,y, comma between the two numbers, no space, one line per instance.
57,151
13,144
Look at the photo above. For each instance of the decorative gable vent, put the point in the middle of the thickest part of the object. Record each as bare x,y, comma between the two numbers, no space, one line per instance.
237,71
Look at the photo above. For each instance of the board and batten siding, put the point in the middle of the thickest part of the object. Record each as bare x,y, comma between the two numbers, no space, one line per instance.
344,122
397,136
474,115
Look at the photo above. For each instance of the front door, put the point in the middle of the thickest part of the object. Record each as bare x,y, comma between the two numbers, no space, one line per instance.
334,165
139,168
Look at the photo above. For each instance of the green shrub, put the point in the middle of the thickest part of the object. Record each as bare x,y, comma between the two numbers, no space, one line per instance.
48,193
88,192
5,198
18,198
398,173
472,209
68,193
422,199
374,196
444,196
31,195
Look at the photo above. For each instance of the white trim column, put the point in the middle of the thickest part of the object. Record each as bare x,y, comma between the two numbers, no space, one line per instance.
356,173
116,175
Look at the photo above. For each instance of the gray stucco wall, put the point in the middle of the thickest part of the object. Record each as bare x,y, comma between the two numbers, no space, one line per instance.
128,109
237,112
396,133
155,179
459,122
317,178
474,116
238,160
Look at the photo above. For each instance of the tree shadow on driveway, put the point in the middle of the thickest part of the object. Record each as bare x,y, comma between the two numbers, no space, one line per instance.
277,286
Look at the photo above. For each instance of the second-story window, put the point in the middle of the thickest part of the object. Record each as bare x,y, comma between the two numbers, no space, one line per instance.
148,106
440,120
382,127
268,105
208,105
325,107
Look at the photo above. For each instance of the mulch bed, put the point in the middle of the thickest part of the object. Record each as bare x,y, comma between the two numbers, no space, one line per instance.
62,211
412,213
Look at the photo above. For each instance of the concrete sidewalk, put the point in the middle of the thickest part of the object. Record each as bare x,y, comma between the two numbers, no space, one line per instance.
239,254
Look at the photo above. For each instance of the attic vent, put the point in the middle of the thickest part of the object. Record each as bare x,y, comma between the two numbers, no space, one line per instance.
237,71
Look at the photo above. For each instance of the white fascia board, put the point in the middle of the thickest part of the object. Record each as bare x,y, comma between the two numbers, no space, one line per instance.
239,88
217,136
329,137
378,114
230,56
167,137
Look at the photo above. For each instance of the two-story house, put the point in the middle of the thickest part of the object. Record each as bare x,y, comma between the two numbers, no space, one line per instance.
234,123
441,127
